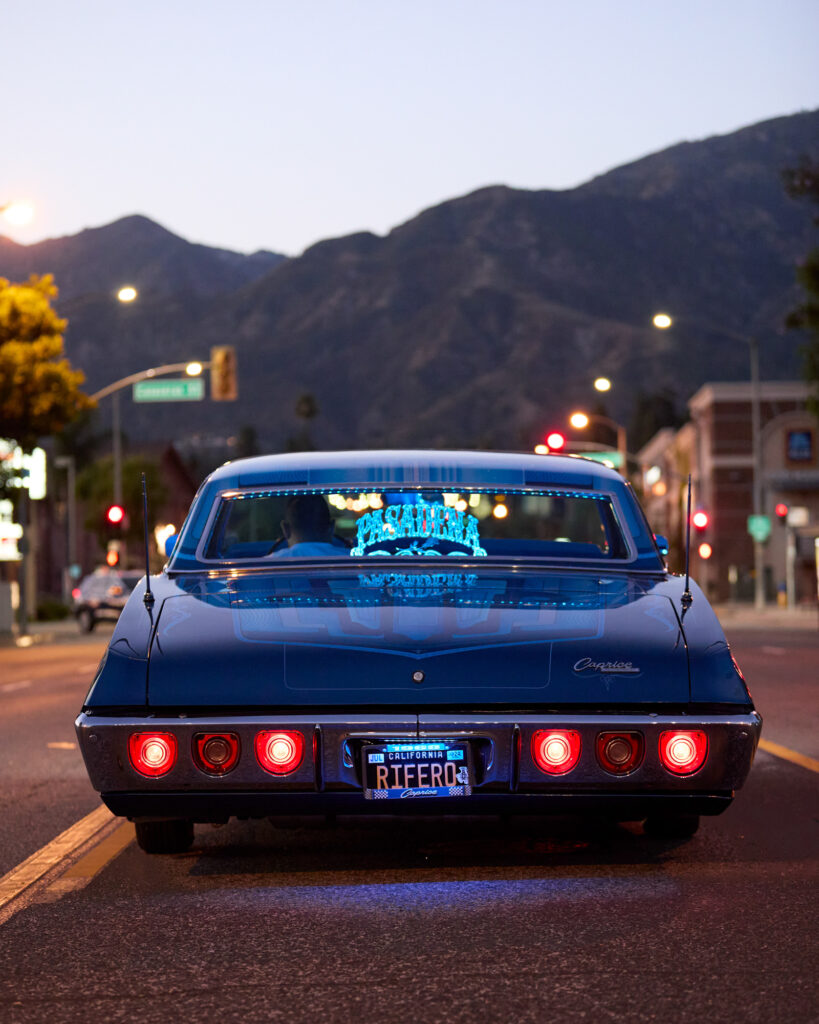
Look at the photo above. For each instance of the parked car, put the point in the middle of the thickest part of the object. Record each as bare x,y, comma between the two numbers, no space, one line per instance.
416,632
102,595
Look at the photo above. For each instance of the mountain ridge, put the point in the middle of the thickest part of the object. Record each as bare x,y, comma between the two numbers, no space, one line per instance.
481,320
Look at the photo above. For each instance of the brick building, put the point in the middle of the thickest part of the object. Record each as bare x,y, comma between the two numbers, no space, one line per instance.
715,446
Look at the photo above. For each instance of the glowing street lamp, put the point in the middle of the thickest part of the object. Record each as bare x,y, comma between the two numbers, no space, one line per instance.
127,293
193,369
580,420
664,321
602,384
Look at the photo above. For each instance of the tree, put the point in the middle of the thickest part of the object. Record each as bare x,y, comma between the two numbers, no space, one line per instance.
39,390
802,182
306,409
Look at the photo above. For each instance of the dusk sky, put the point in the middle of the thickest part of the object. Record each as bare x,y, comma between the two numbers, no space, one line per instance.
273,125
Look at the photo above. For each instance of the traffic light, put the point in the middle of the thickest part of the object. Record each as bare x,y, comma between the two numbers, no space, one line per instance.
781,511
700,520
224,385
113,554
115,515
555,441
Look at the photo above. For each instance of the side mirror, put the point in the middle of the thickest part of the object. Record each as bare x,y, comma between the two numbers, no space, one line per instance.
662,544
170,544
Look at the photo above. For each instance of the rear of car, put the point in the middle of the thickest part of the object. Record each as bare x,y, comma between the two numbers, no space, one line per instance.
416,633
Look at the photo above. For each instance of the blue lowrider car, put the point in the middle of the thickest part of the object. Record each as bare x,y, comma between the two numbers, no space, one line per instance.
415,632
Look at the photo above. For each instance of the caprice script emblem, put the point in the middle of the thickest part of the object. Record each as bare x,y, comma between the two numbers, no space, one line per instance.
622,668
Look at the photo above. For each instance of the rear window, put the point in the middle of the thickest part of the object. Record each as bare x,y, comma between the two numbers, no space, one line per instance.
274,525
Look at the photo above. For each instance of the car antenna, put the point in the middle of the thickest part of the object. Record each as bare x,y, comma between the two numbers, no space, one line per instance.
149,597
687,599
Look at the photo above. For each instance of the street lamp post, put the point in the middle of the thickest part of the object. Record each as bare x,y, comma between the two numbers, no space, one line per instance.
663,321
193,369
581,420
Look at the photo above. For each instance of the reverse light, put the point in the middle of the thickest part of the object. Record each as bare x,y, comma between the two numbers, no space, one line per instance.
683,752
216,753
556,751
152,753
619,752
279,752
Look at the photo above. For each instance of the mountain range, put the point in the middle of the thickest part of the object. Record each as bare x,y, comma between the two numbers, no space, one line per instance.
480,322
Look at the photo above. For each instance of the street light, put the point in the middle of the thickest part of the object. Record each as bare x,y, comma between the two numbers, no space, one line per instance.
192,369
602,384
664,321
581,420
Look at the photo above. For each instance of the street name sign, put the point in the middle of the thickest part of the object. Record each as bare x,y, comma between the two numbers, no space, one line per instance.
177,389
759,528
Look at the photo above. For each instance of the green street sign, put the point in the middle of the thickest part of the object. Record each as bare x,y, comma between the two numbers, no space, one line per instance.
176,389
613,457
759,528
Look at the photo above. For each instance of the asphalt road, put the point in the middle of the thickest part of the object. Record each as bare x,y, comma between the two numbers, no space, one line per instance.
414,921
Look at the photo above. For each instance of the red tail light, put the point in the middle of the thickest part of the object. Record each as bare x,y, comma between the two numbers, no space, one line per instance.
683,751
152,753
556,751
280,752
216,752
619,752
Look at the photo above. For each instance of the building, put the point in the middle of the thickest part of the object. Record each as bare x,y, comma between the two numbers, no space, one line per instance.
715,446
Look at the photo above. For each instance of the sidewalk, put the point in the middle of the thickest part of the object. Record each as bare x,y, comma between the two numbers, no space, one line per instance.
745,616
64,631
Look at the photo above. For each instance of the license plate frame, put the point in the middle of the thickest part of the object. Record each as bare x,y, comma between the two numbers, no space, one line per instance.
384,769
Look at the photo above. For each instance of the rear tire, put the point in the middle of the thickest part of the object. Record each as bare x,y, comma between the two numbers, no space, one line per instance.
671,826
164,836
86,621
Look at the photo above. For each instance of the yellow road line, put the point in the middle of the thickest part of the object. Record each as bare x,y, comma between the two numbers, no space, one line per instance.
790,755
39,863
103,853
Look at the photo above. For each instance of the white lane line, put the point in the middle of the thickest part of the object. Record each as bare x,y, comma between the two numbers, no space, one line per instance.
11,687
35,866
61,745
773,650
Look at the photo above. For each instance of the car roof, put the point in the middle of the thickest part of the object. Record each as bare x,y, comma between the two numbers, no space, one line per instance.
415,467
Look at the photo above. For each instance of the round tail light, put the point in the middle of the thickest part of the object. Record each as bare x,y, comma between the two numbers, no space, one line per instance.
216,753
556,751
152,753
279,752
683,751
619,752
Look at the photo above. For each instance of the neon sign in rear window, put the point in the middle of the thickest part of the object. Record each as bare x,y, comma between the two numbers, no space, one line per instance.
276,525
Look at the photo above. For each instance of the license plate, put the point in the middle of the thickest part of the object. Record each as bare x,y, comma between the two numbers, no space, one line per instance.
398,771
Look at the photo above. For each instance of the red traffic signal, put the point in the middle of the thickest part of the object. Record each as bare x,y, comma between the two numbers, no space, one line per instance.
781,510
700,519
555,441
115,514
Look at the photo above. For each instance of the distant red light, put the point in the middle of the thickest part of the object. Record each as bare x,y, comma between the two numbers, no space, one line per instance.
555,441
556,751
112,558
152,753
700,520
683,751
279,752
76,593
781,510
115,514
